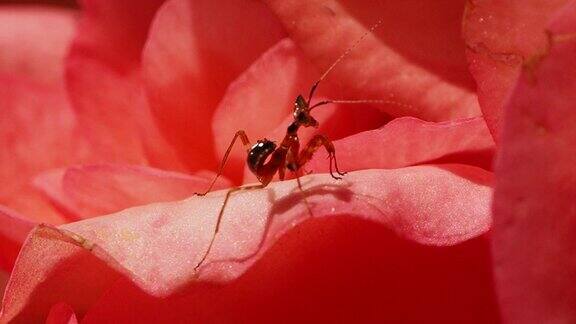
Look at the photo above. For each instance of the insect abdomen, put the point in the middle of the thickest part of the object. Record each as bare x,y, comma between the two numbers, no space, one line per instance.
258,154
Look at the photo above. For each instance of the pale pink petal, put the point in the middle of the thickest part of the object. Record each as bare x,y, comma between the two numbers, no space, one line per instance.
61,313
50,184
13,231
409,141
100,34
416,56
195,49
79,288
501,36
93,190
34,42
34,206
157,246
103,78
37,125
37,132
534,207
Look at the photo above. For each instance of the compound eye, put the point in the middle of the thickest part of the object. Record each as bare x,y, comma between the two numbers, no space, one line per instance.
301,117
296,112
300,102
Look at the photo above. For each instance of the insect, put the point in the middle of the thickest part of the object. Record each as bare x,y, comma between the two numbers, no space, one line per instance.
266,159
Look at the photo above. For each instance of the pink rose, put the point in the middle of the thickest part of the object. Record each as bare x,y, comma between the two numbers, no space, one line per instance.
133,103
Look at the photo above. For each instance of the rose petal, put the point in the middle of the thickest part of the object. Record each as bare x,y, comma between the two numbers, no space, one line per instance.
103,78
500,37
417,58
158,246
61,313
100,34
195,49
367,196
37,132
534,206
339,270
28,50
92,190
49,183
13,231
3,282
79,288
409,141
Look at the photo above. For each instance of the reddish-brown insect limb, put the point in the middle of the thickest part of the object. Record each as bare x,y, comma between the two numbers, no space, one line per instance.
303,193
219,219
332,158
246,143
313,145
292,164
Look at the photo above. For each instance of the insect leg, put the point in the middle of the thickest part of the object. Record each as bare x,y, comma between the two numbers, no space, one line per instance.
292,163
246,143
219,219
312,146
303,193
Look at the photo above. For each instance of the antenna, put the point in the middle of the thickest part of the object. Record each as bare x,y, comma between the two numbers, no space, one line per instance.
368,101
313,89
